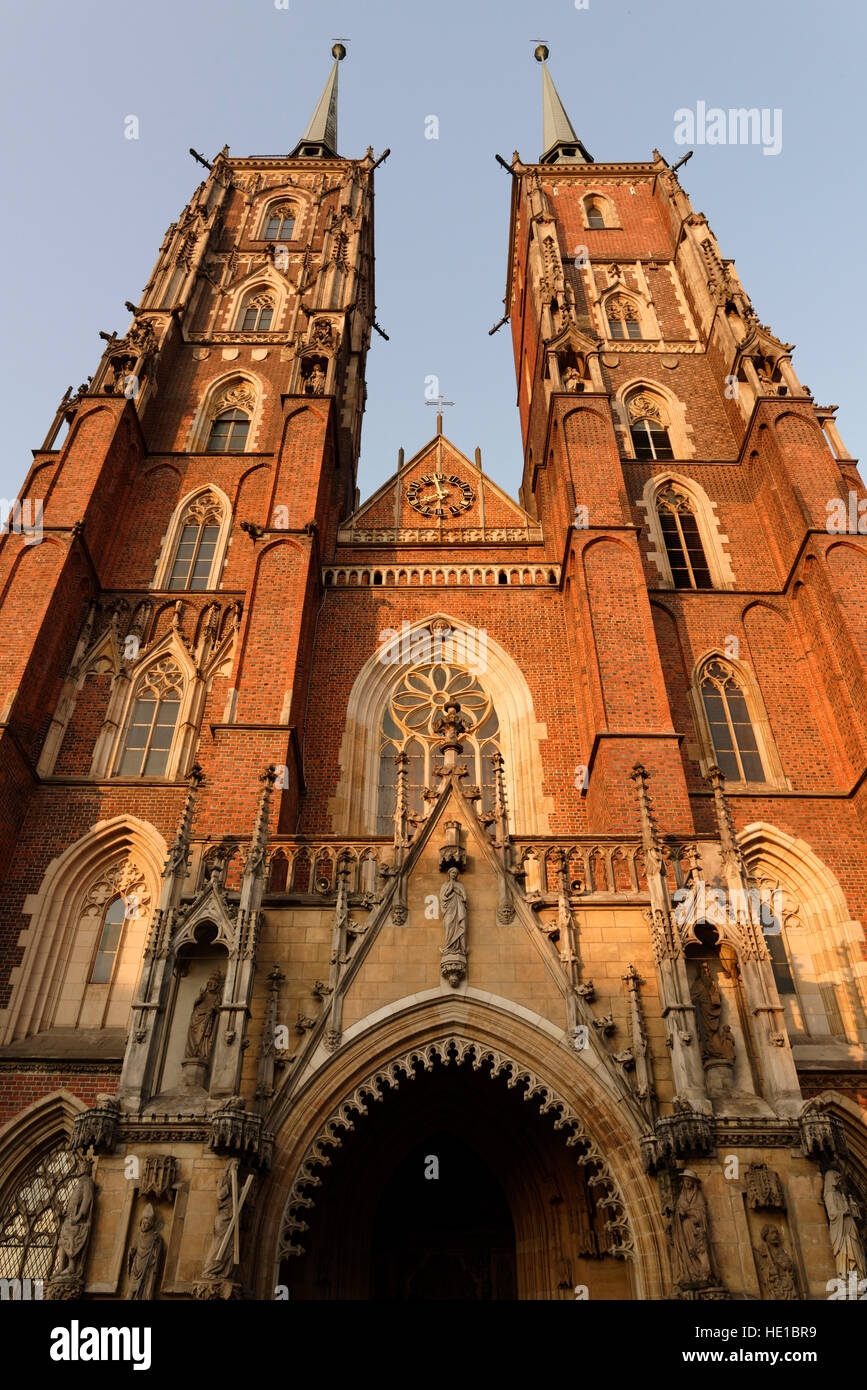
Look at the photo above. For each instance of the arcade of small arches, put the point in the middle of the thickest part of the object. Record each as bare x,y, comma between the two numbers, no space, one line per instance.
361,575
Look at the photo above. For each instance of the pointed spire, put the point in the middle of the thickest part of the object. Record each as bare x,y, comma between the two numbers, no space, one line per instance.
319,140
560,143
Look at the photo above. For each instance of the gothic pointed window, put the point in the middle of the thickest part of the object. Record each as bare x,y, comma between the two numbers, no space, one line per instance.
102,966
780,963
409,725
257,315
622,317
279,223
595,215
152,723
197,543
731,727
229,432
30,1222
648,427
677,518
230,413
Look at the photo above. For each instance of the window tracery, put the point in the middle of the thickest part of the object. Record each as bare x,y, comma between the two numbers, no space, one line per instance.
279,223
731,727
683,543
197,544
409,726
30,1225
153,721
623,317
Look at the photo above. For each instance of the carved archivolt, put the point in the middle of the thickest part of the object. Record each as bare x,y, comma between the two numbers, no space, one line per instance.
454,1050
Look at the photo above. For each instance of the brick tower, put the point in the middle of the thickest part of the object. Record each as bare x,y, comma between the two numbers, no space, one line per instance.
558,799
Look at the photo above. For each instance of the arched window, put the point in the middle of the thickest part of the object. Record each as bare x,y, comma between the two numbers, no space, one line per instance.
595,215
152,723
408,726
677,518
648,427
622,317
194,556
30,1222
650,439
279,223
257,314
109,940
731,728
229,432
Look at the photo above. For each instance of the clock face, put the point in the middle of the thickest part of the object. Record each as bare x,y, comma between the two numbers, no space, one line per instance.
440,494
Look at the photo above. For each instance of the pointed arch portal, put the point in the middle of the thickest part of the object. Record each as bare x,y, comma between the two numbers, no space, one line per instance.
454,1187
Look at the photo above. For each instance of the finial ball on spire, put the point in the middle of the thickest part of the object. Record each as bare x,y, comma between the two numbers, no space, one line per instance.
541,53
338,52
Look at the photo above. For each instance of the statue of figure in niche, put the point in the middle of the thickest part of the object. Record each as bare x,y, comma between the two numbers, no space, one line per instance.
572,380
691,1235
843,1213
145,1257
75,1226
219,1261
777,1265
315,384
706,997
453,905
203,1019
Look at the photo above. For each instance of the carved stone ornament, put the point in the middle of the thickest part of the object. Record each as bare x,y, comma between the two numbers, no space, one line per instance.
160,1172
678,1136
822,1133
777,1268
126,879
764,1189
619,307
234,1130
96,1128
643,406
239,397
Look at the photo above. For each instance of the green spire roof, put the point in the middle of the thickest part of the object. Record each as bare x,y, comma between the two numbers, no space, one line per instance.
319,140
560,144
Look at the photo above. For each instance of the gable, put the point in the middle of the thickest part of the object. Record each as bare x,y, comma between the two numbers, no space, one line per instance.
442,498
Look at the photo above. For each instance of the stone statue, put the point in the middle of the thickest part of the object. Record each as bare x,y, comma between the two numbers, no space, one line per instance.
145,1257
571,379
691,1235
707,1000
453,905
217,1265
316,381
75,1226
843,1212
203,1019
777,1266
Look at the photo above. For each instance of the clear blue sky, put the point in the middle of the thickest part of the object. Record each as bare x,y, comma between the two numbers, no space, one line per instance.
86,209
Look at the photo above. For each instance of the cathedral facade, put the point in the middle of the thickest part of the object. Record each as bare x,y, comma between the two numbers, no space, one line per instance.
446,895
